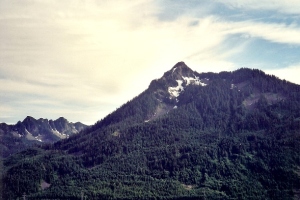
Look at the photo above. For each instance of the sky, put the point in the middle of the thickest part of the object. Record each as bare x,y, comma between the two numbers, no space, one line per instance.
82,59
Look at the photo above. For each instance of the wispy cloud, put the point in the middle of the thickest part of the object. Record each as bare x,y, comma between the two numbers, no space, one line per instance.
279,33
289,7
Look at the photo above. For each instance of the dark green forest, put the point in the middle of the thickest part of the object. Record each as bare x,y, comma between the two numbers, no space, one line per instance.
236,138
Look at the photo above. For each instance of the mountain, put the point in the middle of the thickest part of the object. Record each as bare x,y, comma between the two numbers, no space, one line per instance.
32,131
189,135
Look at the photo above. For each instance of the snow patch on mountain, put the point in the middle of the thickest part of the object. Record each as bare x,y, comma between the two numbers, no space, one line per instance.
233,86
16,134
193,80
175,91
29,136
174,69
59,134
39,138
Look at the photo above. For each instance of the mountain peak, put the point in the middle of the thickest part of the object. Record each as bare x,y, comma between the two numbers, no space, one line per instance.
169,138
180,64
174,81
62,120
29,119
178,71
31,131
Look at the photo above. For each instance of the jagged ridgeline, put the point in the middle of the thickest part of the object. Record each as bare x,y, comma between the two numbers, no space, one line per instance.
228,135
31,131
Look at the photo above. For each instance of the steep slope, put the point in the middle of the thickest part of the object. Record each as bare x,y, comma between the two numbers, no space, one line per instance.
158,99
228,135
31,131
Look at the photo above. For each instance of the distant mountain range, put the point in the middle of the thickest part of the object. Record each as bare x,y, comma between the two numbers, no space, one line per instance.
35,131
189,135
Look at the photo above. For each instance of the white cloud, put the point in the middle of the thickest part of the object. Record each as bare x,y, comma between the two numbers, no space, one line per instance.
278,33
290,73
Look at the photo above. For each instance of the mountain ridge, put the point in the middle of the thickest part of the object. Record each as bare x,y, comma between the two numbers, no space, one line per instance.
237,136
35,131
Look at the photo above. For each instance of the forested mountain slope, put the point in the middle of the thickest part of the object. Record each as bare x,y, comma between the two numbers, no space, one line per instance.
228,135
